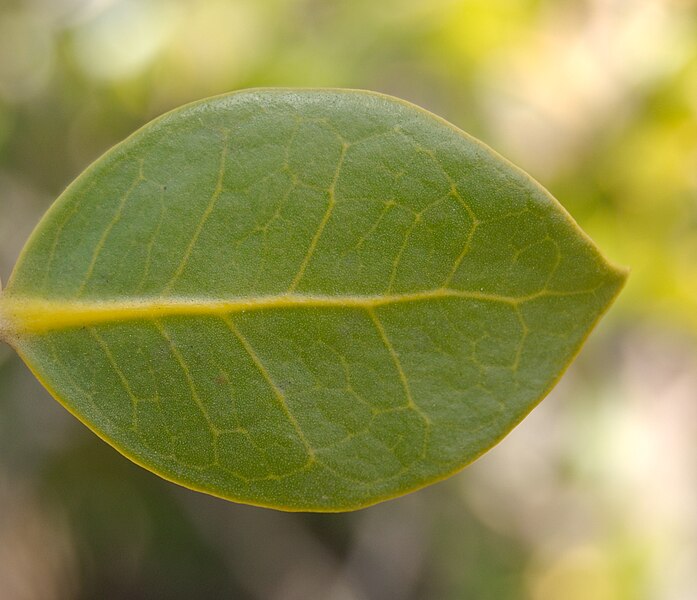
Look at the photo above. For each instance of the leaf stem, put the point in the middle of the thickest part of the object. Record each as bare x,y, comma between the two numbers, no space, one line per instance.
4,321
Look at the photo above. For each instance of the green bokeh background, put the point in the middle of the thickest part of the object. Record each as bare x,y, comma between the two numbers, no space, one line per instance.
593,496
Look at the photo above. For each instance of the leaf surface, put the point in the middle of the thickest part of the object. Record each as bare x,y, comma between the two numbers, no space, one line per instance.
303,299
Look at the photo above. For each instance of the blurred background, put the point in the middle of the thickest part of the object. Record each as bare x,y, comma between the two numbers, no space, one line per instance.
592,497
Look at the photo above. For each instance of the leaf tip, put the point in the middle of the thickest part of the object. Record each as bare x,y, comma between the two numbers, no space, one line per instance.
620,274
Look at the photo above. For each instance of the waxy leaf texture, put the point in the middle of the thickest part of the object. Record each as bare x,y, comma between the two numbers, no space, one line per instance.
303,299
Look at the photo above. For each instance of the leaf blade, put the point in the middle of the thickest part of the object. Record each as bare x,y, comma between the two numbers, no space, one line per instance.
332,243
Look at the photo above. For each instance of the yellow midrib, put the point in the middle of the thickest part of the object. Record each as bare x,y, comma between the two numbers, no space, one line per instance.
29,315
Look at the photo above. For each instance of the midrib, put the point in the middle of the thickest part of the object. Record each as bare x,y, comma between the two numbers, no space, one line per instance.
21,315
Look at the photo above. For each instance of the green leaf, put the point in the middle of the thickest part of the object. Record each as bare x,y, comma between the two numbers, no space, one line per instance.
303,299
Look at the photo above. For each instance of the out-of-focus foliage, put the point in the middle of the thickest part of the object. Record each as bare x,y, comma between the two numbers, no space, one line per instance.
593,496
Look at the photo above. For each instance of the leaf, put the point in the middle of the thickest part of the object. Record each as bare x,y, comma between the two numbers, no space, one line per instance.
303,299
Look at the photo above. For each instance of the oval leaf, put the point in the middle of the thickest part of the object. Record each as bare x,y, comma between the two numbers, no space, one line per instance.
308,300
